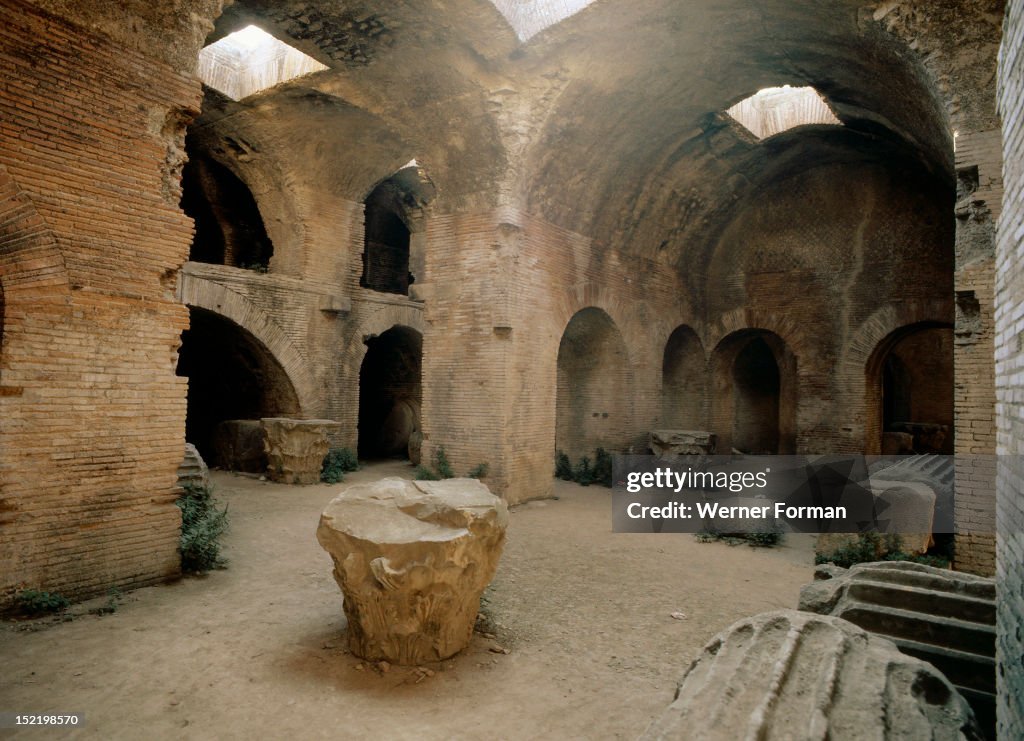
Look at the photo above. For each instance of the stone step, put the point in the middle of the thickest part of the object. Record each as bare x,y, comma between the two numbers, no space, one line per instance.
895,623
962,668
944,617
932,601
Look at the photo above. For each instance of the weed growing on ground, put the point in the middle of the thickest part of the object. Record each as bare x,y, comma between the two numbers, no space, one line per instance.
584,472
202,525
441,469
876,547
33,602
603,468
479,472
337,463
113,602
563,466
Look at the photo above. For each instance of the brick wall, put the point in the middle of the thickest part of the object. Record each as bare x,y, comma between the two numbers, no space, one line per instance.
684,381
979,194
91,414
1009,348
834,261
594,389
927,357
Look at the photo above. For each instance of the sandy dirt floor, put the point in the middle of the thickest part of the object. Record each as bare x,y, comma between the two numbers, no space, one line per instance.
258,650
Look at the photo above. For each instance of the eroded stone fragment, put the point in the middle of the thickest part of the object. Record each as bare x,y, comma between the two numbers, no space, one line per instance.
794,675
296,448
682,442
412,559
944,617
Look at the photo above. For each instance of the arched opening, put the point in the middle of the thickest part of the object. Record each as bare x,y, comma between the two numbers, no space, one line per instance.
754,374
910,391
594,403
386,247
233,382
228,227
390,393
683,381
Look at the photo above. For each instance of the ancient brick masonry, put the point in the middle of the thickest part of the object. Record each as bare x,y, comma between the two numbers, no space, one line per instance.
1010,383
544,212
90,233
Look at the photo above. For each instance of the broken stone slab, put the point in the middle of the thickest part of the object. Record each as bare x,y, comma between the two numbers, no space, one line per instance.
296,448
412,559
944,617
907,508
795,675
682,442
193,470
934,471
238,446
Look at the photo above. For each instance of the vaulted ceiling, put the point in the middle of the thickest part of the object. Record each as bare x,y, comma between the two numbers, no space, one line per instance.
605,118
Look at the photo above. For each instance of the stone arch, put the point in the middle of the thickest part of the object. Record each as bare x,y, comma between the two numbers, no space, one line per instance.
229,227
863,344
754,393
205,294
683,380
587,295
785,327
393,229
234,381
594,405
377,320
278,209
921,407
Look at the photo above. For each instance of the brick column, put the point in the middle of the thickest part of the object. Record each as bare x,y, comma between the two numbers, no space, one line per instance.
1009,343
979,193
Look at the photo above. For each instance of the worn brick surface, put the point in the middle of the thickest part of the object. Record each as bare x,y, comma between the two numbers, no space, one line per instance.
1010,383
90,235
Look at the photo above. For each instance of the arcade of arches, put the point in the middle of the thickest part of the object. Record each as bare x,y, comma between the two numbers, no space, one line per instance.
508,231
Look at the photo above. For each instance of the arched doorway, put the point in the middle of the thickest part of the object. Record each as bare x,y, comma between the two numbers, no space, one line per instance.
229,229
594,403
756,384
754,375
910,391
393,247
683,381
233,382
390,393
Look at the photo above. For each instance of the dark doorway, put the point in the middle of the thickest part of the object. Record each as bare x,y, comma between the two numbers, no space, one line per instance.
231,376
390,393
386,248
229,228
757,385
